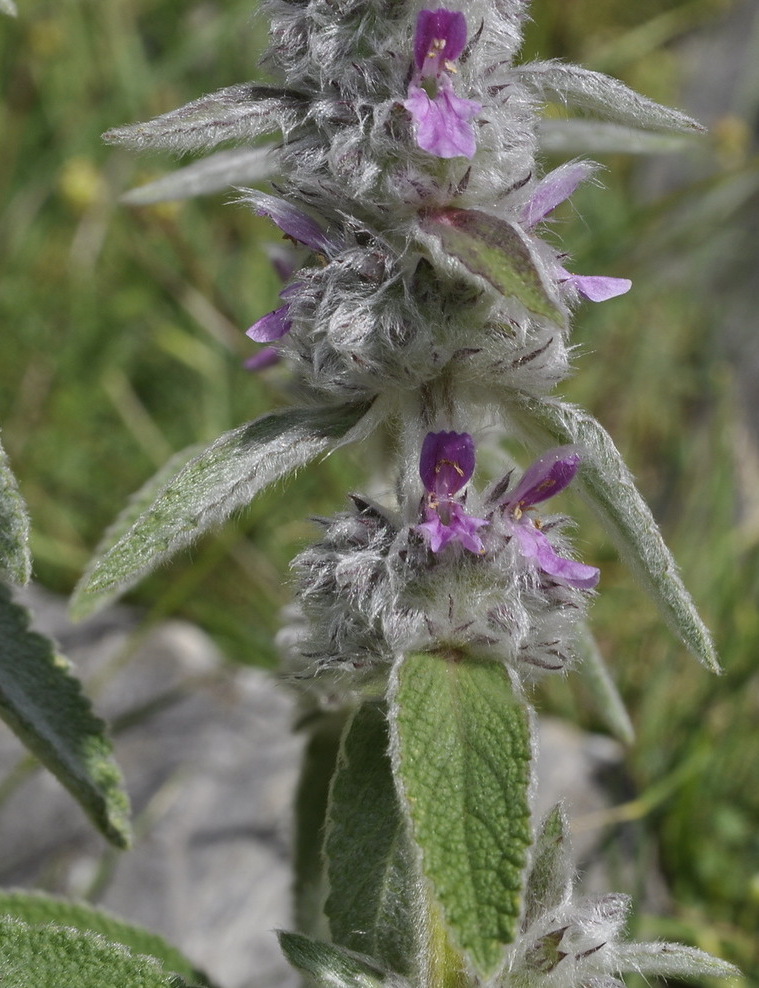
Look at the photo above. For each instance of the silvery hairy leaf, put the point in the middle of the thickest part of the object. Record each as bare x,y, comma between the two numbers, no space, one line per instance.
238,113
601,137
672,960
607,701
604,95
329,965
608,486
8,7
219,171
223,477
550,880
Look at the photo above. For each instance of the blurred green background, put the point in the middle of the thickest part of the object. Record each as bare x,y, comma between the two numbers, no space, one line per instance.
122,342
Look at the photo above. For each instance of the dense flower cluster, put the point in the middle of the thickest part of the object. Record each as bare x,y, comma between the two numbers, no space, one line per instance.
373,587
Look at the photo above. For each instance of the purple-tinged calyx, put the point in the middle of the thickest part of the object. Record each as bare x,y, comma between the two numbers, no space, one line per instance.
547,476
551,191
442,120
446,466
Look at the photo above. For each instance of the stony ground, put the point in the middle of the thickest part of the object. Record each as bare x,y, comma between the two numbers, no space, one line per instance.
211,763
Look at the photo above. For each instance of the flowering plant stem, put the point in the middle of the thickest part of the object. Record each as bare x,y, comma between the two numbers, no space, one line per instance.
425,303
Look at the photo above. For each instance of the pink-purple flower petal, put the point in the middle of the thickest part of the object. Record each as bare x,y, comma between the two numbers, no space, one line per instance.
443,125
553,189
267,357
440,37
292,221
548,475
536,546
271,327
598,288
447,462
457,526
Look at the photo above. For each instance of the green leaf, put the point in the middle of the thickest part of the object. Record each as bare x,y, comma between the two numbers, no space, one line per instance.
606,483
463,741
607,701
15,558
59,957
550,879
225,476
37,909
328,964
672,960
497,251
42,702
370,866
317,770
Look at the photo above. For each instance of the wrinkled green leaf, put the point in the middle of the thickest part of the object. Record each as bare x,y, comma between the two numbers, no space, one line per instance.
225,476
59,957
607,701
15,558
604,95
330,965
497,251
550,879
237,113
42,702
369,862
38,909
606,483
463,746
223,170
672,960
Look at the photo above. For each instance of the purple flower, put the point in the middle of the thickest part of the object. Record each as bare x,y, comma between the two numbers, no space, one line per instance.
446,466
271,327
595,287
552,190
267,357
442,120
301,228
546,477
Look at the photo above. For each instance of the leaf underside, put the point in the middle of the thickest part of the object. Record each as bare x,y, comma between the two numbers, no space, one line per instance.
369,861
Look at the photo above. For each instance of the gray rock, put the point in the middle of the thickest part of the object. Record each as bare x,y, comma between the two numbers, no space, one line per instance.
211,764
